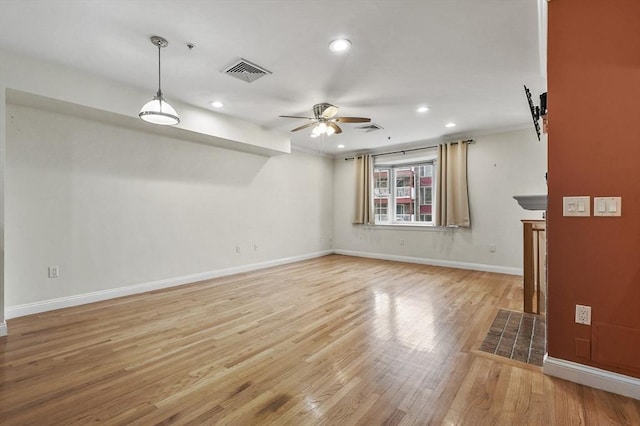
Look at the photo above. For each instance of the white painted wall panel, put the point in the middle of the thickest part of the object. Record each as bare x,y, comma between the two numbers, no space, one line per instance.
499,166
115,207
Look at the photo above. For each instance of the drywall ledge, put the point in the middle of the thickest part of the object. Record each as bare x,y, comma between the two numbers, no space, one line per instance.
17,97
101,95
532,202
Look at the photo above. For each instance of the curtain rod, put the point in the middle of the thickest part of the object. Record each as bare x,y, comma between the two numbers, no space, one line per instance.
403,151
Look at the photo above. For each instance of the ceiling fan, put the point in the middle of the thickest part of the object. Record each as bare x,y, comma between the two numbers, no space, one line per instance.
325,120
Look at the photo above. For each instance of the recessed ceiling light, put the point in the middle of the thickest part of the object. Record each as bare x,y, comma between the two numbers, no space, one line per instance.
450,125
340,146
423,109
340,45
217,104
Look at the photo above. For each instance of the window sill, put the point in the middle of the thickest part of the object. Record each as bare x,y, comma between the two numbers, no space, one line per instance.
426,227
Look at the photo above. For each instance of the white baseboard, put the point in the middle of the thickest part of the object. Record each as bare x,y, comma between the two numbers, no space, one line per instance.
434,262
96,296
3,329
593,377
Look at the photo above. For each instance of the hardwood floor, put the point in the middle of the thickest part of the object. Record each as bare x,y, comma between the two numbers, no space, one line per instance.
334,340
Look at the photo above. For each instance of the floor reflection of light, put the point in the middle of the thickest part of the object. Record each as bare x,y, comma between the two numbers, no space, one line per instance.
381,320
312,406
407,321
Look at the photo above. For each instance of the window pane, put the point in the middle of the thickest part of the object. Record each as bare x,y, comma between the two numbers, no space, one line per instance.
425,190
381,210
403,193
381,194
381,182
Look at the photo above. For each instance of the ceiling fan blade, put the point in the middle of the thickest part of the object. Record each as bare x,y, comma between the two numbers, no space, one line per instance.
335,127
304,126
296,116
352,119
329,111
324,110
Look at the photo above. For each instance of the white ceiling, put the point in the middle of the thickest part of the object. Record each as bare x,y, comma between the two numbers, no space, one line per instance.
466,59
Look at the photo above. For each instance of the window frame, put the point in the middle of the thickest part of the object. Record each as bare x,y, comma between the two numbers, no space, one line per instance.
391,167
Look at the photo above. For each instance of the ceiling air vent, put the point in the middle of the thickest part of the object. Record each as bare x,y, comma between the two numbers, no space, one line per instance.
371,127
245,70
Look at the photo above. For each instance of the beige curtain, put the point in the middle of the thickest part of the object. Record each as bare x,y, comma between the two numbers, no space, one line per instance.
452,192
364,213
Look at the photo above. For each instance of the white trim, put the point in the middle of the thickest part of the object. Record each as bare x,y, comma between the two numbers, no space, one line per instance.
435,262
96,296
592,376
418,226
543,17
3,329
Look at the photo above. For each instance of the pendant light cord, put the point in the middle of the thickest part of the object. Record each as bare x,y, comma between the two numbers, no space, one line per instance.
159,79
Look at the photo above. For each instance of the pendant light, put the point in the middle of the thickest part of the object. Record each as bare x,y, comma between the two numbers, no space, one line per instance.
157,110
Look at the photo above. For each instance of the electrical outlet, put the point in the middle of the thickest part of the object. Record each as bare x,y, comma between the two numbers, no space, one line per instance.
54,271
401,242
583,314
237,249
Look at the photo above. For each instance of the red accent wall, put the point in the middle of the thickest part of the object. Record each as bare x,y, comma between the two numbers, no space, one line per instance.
594,149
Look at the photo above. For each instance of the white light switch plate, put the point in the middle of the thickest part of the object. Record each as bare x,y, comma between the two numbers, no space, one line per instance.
607,206
576,206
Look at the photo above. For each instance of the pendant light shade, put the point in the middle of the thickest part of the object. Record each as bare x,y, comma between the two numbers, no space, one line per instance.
157,110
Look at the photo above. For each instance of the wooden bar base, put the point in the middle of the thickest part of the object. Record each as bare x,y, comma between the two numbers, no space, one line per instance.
534,265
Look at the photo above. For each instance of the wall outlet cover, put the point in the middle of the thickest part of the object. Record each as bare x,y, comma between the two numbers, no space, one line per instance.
583,314
54,271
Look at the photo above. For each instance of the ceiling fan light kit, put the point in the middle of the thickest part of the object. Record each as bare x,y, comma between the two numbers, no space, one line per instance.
158,110
322,128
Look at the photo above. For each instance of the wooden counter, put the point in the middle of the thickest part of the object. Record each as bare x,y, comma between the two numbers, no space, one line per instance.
534,266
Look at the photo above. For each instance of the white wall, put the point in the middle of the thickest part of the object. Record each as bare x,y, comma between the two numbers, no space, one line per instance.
115,207
499,166
33,79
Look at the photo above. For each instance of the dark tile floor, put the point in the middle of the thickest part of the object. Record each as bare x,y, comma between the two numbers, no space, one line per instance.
516,335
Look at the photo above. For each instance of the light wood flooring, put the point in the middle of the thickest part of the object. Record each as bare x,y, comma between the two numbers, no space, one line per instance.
330,341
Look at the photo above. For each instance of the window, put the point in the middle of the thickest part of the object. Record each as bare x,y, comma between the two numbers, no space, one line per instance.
381,195
404,191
